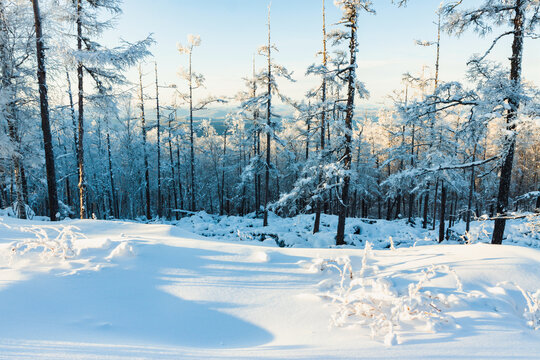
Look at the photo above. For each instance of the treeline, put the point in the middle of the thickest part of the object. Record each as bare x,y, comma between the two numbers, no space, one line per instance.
445,151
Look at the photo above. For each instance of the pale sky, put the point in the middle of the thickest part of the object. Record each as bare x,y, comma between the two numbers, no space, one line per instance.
232,30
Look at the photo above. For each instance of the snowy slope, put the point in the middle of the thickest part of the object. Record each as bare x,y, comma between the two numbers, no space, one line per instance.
118,290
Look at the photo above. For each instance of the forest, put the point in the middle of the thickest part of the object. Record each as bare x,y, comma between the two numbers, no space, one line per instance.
80,140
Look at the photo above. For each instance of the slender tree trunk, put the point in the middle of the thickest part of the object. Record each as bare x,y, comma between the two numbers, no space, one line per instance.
443,208
426,204
191,135
319,206
80,138
471,192
269,125
74,124
222,202
145,155
44,108
173,176
159,199
435,204
506,170
180,191
111,178
344,203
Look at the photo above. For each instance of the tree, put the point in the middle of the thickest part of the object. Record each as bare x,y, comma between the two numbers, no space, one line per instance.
349,18
44,109
15,47
522,16
195,81
267,79
319,205
104,65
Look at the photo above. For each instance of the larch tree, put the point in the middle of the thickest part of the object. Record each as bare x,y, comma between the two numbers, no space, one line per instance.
350,9
104,65
15,44
266,79
44,110
522,17
195,81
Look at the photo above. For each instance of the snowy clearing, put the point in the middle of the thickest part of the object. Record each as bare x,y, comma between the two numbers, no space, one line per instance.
90,289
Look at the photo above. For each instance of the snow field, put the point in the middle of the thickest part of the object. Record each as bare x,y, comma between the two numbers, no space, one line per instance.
118,290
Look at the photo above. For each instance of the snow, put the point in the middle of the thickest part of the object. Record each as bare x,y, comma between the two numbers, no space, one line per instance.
90,289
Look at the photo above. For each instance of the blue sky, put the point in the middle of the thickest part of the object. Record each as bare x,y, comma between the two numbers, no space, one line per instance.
232,30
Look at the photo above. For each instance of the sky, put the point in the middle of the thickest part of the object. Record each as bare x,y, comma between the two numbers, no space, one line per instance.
232,30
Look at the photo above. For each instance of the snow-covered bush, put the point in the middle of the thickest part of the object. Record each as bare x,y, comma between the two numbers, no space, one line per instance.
366,297
60,246
532,311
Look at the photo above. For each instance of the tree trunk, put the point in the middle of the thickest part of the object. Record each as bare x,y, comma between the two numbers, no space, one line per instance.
80,139
191,136
344,203
159,200
111,178
471,192
268,123
44,109
435,204
506,170
443,208
145,155
426,204
173,177
319,206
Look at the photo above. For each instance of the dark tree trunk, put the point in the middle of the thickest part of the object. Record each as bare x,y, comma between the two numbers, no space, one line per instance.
319,205
80,138
411,207
435,204
44,108
443,208
506,170
426,204
344,203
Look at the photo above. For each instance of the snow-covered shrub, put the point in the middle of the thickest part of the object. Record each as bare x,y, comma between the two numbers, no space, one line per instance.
61,246
367,297
532,311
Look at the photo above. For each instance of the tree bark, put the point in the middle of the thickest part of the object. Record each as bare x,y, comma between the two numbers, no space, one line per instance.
506,170
344,203
443,208
44,109
80,138
319,207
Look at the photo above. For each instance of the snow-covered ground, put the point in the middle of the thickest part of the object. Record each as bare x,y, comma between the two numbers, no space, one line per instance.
120,290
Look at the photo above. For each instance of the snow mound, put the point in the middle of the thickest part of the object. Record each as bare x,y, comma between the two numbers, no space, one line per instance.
123,250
